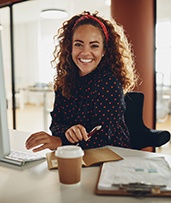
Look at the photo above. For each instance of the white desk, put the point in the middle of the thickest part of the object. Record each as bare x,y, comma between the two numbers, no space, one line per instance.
34,183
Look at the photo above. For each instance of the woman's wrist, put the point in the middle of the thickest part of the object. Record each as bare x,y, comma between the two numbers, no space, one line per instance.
59,142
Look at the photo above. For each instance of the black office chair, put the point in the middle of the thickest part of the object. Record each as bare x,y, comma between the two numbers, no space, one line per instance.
141,136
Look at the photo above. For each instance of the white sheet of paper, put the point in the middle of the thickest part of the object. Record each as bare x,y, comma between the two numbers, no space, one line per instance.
153,170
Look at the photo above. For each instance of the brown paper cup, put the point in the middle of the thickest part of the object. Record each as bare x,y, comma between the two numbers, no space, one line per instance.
69,164
69,170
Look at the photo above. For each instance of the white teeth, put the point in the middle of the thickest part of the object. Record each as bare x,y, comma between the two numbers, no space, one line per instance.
85,60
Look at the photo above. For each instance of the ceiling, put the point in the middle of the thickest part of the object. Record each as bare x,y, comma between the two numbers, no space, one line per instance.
30,10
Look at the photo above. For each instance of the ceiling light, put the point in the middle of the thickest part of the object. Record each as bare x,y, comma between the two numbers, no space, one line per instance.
108,2
53,14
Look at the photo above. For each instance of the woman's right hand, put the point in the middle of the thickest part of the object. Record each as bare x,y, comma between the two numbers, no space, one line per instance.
76,133
42,140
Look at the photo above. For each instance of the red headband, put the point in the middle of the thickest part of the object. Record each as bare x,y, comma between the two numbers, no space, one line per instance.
87,16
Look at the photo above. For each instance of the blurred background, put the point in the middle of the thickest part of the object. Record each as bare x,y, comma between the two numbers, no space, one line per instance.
31,26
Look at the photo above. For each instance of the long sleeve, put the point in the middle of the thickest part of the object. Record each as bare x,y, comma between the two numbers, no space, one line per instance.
58,125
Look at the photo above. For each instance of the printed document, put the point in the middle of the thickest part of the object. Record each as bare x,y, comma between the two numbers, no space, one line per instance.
152,171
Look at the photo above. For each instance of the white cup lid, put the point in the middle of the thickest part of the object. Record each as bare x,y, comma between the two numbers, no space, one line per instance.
69,151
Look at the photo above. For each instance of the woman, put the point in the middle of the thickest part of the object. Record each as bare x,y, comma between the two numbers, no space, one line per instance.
94,69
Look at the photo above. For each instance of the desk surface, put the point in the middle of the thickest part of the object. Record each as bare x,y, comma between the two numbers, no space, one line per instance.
34,183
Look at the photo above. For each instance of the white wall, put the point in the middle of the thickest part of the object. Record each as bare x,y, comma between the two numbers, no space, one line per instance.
26,54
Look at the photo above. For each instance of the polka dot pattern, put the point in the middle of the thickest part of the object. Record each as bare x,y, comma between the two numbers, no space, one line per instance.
97,100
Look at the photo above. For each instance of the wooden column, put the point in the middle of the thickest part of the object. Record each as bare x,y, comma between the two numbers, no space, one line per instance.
138,20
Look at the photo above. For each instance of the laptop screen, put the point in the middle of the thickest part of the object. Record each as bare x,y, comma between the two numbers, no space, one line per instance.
4,132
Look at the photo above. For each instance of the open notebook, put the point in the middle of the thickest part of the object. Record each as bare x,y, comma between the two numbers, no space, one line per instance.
91,157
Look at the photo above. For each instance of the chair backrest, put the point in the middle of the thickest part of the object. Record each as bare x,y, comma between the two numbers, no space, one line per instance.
141,136
133,115
134,118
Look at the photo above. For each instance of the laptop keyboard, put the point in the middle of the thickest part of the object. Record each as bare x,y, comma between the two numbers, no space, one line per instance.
23,157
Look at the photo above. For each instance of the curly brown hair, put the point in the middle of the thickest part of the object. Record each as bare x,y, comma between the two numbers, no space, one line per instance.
118,56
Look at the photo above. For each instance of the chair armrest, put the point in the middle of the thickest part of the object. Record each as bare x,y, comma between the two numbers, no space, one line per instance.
159,137
146,137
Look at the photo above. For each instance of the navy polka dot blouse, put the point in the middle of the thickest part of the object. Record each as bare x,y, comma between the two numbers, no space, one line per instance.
97,100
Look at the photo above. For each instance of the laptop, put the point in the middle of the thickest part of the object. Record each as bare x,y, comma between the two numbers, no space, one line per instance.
6,154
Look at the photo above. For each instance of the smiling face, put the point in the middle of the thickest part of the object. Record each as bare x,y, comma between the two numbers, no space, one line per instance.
87,48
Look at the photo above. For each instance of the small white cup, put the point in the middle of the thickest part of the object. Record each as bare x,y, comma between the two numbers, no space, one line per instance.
69,163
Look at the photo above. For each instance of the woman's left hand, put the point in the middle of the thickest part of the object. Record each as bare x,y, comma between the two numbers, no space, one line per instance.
76,133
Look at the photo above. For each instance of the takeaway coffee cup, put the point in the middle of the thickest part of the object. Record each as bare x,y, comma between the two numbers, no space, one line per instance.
69,163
